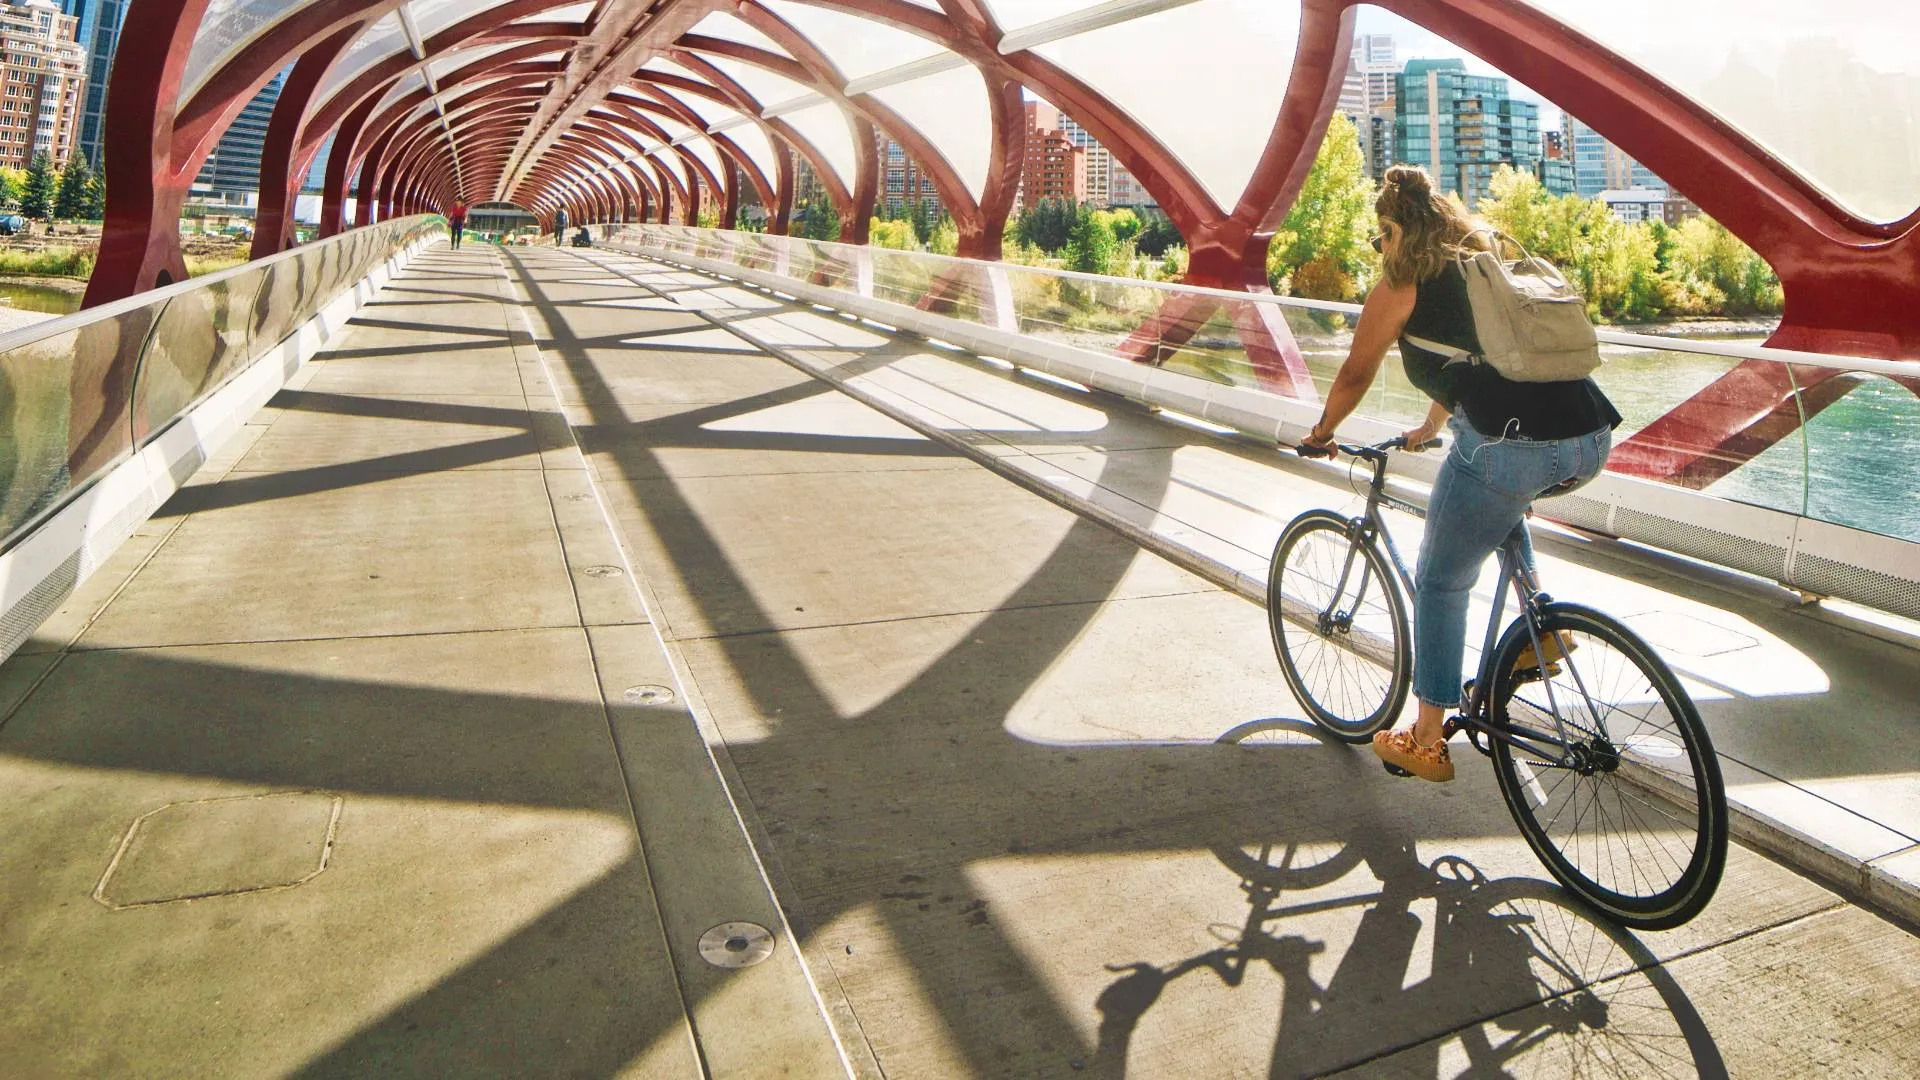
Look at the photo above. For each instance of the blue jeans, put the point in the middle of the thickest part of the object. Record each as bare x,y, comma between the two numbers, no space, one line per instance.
1480,498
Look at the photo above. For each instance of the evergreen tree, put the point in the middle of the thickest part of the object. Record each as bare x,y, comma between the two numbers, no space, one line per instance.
75,179
97,197
1047,225
1157,234
36,199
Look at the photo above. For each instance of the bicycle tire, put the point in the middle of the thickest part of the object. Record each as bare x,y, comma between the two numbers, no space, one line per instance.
1352,680
1655,838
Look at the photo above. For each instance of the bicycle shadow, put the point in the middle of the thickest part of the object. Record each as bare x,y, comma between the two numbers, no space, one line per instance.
1521,979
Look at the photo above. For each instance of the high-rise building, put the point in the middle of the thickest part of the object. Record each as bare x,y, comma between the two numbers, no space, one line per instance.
1377,61
1462,127
46,74
903,183
98,32
1555,168
232,171
1124,189
1055,168
1367,90
1099,162
1599,166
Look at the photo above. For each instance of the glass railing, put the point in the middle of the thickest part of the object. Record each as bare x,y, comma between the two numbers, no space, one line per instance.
1835,439
80,393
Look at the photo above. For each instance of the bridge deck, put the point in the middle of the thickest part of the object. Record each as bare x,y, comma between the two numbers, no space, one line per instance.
502,628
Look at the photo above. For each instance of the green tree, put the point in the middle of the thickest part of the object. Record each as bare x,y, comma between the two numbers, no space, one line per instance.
13,184
1157,234
1321,250
1717,274
891,234
946,237
75,180
1047,225
96,201
1124,223
1090,244
817,219
37,194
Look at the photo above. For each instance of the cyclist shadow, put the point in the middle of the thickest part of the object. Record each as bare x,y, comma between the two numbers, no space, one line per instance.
1523,980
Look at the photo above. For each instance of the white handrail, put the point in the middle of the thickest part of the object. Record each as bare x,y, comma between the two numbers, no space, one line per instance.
1902,368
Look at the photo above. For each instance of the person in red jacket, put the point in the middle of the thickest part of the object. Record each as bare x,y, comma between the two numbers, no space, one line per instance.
457,222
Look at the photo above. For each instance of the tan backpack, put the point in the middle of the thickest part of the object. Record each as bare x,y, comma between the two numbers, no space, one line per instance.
1532,325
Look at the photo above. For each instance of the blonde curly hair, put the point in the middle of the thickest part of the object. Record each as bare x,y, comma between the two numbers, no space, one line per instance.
1433,228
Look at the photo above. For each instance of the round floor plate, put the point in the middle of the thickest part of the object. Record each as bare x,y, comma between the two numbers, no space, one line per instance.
736,944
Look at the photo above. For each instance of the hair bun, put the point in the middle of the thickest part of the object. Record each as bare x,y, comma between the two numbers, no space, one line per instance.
1411,180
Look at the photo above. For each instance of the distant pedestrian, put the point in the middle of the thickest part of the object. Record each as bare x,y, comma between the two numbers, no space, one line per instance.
559,227
457,222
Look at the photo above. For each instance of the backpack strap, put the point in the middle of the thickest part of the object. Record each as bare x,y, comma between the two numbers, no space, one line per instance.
1453,353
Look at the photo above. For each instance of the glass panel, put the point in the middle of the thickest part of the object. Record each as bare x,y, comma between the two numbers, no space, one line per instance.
951,110
767,88
1015,14
856,46
1863,456
226,26
407,85
432,16
731,28
568,13
64,411
825,126
1832,88
200,340
1217,114
707,109
753,142
440,66
383,39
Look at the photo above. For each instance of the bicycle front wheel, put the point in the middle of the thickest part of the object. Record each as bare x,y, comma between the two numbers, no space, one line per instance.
1633,819
1339,626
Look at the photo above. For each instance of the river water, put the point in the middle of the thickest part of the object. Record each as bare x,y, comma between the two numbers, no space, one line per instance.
1857,463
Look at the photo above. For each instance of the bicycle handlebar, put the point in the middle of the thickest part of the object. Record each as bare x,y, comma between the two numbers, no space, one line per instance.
1376,452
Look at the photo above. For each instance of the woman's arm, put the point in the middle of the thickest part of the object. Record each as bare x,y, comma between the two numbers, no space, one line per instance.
1381,320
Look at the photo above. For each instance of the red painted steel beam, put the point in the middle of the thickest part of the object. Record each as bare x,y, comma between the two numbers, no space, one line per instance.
283,164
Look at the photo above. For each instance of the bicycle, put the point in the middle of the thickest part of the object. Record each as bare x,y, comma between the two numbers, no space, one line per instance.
1631,814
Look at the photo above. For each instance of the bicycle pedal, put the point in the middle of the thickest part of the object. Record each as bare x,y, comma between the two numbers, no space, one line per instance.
1393,769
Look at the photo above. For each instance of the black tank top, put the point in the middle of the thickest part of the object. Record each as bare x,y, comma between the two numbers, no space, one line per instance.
1494,404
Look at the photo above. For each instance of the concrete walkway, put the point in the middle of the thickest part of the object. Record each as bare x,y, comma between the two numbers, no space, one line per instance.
426,733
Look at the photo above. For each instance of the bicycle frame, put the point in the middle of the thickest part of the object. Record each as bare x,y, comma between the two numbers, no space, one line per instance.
1514,576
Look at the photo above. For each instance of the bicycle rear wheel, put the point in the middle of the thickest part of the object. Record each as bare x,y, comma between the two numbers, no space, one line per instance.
1636,823
1339,626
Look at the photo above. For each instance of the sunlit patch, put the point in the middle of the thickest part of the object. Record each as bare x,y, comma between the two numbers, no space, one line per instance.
833,416
706,338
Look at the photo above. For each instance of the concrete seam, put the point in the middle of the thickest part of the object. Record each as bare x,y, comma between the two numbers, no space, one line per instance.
711,738
593,658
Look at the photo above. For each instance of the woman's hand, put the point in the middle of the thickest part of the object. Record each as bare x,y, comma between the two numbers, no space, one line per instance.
1429,429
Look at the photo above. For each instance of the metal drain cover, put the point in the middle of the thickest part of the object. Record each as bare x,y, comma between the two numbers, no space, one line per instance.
648,694
736,944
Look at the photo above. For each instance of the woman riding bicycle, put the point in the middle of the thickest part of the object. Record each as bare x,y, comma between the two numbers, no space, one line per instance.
1511,441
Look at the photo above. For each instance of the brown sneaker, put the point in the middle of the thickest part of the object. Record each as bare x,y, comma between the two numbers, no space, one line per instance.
1397,748
1557,646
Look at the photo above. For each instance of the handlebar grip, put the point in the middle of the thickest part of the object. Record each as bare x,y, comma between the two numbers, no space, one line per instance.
1307,451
